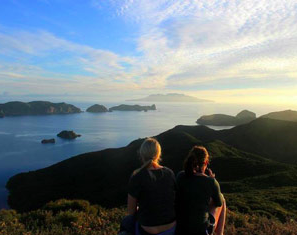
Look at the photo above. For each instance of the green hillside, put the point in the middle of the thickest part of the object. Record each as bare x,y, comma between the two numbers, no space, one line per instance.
102,177
274,139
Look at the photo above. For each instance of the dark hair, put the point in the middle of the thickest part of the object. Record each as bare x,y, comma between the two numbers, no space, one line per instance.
196,159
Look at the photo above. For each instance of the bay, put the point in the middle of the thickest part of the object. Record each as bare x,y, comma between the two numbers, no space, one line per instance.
20,137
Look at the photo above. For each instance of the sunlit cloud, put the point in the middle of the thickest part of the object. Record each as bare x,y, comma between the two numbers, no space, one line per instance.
211,46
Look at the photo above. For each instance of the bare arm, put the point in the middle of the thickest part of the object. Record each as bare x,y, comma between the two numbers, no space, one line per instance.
132,205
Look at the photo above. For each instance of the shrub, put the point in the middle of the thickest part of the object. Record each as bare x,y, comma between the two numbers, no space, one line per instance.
79,220
74,205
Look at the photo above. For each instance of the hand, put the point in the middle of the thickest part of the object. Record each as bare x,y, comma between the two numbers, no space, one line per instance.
211,174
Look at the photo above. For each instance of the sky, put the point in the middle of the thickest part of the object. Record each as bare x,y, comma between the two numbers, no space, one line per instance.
110,50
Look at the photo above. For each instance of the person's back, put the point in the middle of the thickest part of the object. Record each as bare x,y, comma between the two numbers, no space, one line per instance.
193,199
151,193
200,204
155,192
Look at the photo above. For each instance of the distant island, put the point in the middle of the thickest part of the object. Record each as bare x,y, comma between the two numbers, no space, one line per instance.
171,97
243,117
70,135
125,107
287,115
17,108
97,108
48,141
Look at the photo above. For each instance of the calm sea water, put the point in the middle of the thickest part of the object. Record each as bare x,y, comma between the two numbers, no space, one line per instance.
20,137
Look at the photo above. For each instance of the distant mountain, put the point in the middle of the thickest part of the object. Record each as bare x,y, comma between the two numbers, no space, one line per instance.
97,108
287,115
243,117
247,157
171,97
17,108
125,107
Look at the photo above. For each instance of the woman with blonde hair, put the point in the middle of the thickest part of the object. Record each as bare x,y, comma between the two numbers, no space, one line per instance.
201,208
151,193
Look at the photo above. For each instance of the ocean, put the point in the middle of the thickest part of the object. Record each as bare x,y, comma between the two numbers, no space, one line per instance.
20,137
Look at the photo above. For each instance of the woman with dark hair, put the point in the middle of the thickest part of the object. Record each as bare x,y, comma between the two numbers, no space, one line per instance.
201,208
151,193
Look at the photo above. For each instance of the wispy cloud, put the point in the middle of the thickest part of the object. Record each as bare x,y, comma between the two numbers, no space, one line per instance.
217,39
212,46
29,48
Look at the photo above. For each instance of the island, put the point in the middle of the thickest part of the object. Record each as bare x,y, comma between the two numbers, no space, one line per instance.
243,117
17,108
97,108
68,135
171,97
48,141
287,115
125,107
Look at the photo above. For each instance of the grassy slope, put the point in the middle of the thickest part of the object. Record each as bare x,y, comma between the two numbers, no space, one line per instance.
65,217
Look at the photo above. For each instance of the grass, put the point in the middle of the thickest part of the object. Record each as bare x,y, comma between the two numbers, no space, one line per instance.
78,217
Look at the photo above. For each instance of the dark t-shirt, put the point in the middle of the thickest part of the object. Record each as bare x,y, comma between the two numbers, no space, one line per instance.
155,193
193,198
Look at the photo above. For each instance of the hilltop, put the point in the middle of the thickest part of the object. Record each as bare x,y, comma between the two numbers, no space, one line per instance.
17,108
170,97
247,158
287,115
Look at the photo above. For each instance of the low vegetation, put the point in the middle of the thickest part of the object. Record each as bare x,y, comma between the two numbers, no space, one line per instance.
78,217
63,217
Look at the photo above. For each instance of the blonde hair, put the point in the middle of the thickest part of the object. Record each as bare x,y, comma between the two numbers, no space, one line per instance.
150,152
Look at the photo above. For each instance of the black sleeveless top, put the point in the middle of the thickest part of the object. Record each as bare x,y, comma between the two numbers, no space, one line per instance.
155,193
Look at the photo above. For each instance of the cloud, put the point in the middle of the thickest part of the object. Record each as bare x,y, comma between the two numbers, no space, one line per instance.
51,51
186,45
206,41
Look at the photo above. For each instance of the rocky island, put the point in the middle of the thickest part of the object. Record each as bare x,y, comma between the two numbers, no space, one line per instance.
97,108
68,135
17,108
48,141
243,117
171,97
125,107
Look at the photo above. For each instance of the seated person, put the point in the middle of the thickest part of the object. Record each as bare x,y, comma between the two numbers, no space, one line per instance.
201,207
151,193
